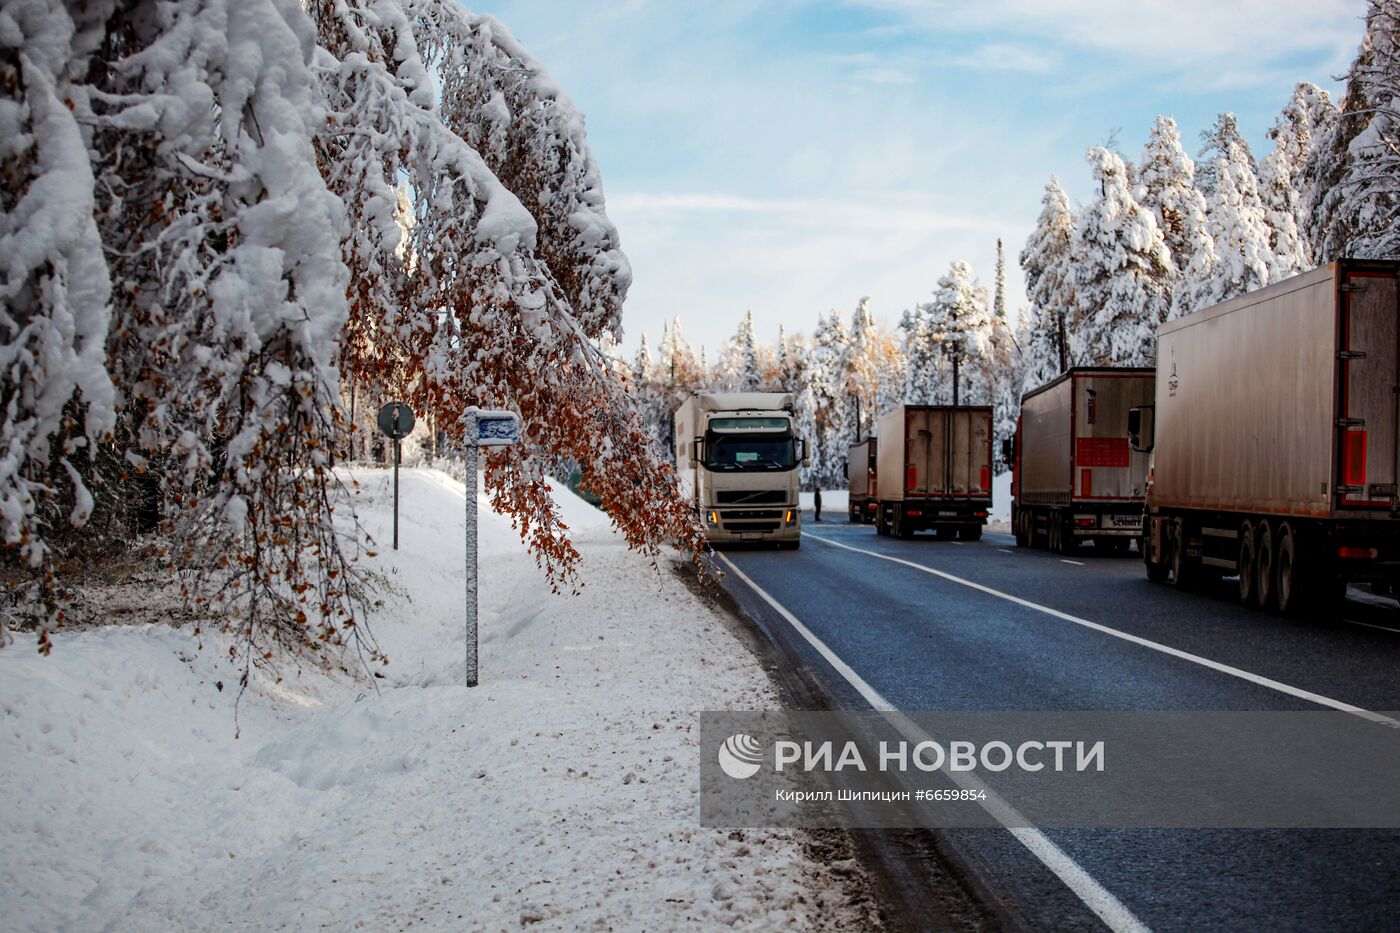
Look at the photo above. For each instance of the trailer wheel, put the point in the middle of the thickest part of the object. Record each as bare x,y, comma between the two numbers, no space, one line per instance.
1287,596
1265,569
1247,565
1183,574
897,523
1157,571
1065,542
1023,529
970,533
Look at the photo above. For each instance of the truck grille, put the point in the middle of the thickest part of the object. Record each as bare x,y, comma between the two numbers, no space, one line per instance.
729,514
751,497
750,526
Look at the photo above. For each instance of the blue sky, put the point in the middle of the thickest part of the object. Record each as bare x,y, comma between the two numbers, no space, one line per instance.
791,156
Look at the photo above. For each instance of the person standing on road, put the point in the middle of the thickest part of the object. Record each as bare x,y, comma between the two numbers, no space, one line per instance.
817,503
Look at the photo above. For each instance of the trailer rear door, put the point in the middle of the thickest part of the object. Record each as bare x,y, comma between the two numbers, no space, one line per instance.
1367,429
969,461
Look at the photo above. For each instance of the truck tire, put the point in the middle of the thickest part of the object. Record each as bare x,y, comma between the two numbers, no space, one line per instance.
1288,595
970,533
1064,534
1023,529
1157,571
1247,565
1184,574
1265,566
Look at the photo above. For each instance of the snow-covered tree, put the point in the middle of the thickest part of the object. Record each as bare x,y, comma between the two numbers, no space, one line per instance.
57,400
1167,188
824,380
237,171
923,357
750,378
1047,263
1235,216
1353,190
959,318
1122,272
1308,114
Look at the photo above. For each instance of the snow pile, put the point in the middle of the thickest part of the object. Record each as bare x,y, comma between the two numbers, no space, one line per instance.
562,790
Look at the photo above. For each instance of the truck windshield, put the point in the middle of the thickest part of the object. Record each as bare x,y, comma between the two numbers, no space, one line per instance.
750,452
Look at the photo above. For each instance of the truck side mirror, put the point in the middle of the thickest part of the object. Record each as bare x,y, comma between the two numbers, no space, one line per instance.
1008,450
1140,428
695,452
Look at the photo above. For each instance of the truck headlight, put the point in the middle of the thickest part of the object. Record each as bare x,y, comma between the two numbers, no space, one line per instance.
788,518
714,517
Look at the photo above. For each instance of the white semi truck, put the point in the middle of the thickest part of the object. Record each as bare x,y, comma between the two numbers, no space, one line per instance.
737,454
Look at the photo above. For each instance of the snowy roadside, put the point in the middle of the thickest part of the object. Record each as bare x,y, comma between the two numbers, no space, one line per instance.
562,791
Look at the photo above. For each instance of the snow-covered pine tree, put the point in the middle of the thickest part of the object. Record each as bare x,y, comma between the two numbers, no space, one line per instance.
923,355
859,371
1167,187
823,377
1047,263
1354,172
1122,272
960,321
1003,371
1235,215
1308,114
750,380
999,295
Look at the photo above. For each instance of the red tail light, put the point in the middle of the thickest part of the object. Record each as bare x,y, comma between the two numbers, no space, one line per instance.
1354,458
1351,552
913,513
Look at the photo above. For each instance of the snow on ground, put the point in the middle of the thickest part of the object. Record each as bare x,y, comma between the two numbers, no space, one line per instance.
562,791
835,501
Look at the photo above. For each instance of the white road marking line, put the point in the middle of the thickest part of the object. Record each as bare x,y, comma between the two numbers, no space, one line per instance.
1006,550
1095,896
1257,679
1077,563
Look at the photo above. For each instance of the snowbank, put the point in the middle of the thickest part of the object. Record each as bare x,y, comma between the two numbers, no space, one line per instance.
562,790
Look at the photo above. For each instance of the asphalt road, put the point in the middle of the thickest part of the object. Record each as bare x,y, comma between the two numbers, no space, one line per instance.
926,642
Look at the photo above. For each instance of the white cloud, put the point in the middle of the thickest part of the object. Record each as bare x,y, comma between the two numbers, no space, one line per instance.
1001,56
1193,38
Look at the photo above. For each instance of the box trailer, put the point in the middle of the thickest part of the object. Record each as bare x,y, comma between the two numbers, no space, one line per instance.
1274,439
1073,476
935,468
737,454
861,481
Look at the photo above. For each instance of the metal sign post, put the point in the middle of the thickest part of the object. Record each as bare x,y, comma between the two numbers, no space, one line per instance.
484,429
396,420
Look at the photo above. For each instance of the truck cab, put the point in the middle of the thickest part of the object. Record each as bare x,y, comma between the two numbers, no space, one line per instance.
738,455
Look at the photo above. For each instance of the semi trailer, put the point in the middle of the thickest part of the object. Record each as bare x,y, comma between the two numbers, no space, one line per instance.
861,481
935,469
1274,439
1073,476
737,454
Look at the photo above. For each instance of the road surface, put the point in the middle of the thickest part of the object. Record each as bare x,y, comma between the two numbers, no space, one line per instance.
924,641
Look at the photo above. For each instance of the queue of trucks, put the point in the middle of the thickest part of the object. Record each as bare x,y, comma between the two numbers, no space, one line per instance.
1264,445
